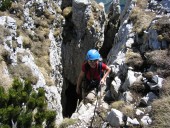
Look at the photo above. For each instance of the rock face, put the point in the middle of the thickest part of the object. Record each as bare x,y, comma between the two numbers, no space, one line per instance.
48,40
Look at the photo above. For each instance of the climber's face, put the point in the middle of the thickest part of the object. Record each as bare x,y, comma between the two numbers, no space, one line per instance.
92,63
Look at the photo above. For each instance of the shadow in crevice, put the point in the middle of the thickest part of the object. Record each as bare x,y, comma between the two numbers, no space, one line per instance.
71,98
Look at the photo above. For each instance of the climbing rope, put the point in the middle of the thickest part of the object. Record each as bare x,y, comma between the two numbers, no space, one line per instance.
99,87
97,105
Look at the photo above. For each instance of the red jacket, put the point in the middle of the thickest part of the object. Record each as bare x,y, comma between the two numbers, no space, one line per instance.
92,73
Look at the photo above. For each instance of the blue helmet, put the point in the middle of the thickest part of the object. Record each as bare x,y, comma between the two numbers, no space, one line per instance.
92,54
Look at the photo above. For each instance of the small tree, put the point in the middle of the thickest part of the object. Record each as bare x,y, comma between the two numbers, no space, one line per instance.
23,97
50,118
13,97
24,120
3,98
5,126
31,104
41,103
41,92
18,103
39,117
17,85
28,87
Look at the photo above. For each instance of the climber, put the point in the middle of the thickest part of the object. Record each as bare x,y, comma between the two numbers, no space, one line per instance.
92,76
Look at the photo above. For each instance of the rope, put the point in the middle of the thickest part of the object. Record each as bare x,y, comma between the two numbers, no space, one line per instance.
99,87
95,109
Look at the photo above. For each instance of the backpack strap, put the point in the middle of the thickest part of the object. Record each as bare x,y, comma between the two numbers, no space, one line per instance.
87,67
100,69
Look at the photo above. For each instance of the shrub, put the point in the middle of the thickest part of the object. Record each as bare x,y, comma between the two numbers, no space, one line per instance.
24,120
161,115
41,49
50,115
5,5
4,98
117,105
27,120
51,19
17,95
13,97
47,13
44,64
160,38
9,113
17,85
141,19
43,23
13,112
24,97
67,11
41,104
39,117
57,32
57,8
166,87
3,116
5,126
34,94
41,92
2,90
17,9
6,56
90,22
134,59
31,104
19,24
27,86
142,4
37,126
159,59
26,42
12,107
41,38
44,32
128,110
22,71
163,26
